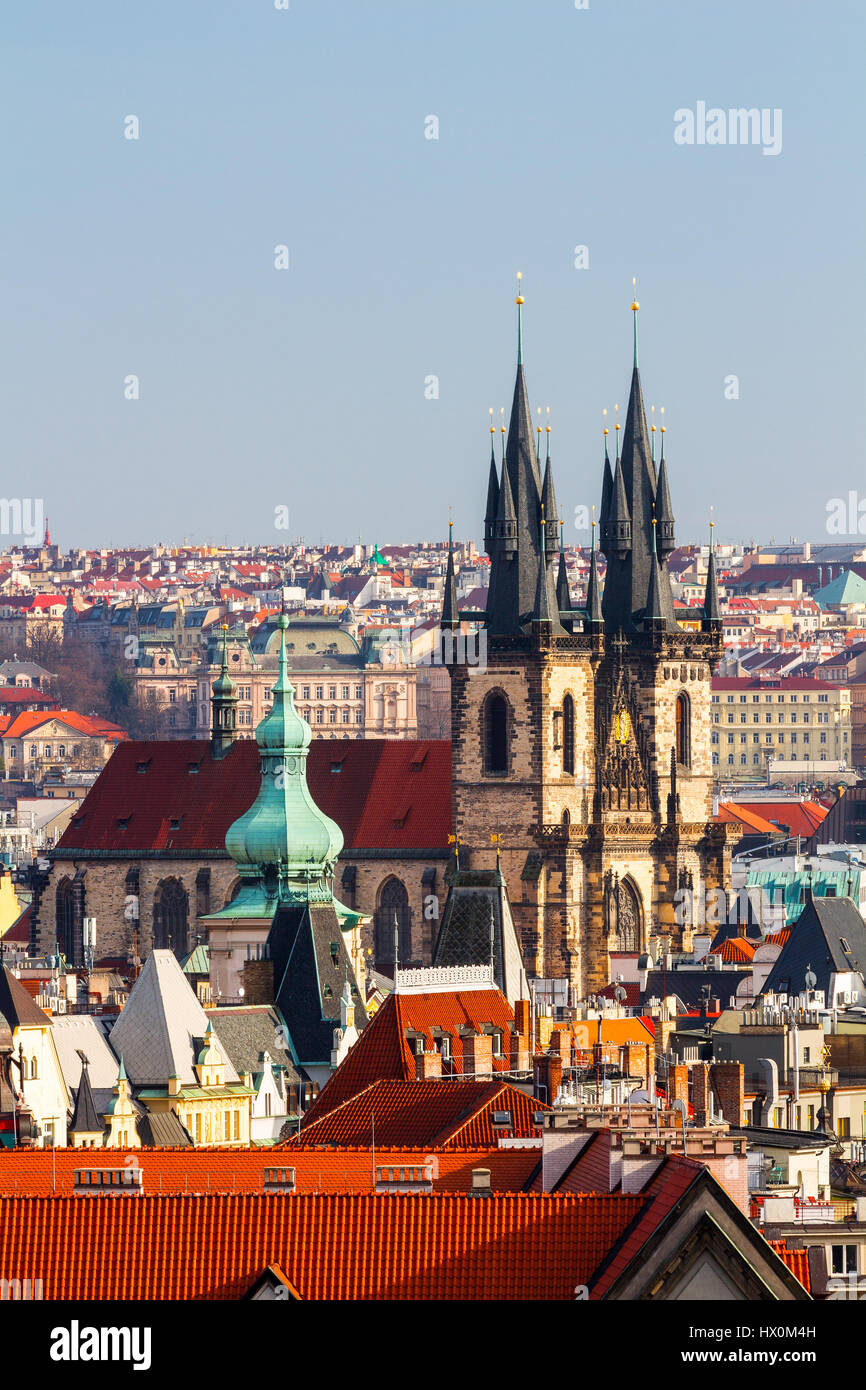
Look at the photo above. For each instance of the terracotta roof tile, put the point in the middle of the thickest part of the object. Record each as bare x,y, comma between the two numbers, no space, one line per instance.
339,1246
351,780
383,1052
417,1113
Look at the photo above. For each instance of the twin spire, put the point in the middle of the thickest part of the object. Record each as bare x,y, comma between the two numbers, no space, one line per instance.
636,528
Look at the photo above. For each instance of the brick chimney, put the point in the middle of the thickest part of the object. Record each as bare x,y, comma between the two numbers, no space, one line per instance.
522,1019
547,1076
679,1083
518,1057
700,1078
560,1043
478,1054
728,1082
258,980
428,1066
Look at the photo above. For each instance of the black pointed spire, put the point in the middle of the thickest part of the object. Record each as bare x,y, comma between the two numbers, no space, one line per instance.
630,574
594,619
514,572
712,619
616,529
450,611
654,616
85,1120
563,593
664,511
492,494
542,609
548,502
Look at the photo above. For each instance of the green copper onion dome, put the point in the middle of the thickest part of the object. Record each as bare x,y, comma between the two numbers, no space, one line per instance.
284,827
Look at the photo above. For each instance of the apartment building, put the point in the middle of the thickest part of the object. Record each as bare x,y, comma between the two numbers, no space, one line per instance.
792,719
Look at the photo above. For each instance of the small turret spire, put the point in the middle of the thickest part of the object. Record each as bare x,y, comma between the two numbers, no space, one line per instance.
654,616
492,493
712,619
616,429
541,612
563,593
224,705
594,618
635,306
450,612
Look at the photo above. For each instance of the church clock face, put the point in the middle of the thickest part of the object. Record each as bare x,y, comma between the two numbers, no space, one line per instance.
621,726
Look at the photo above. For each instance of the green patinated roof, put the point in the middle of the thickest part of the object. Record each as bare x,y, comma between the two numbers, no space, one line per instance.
198,961
198,1092
845,588
284,828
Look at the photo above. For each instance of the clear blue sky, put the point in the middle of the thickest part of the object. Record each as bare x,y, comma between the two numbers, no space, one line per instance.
305,388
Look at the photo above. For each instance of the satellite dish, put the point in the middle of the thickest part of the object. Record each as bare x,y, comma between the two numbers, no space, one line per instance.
640,1097
619,994
811,978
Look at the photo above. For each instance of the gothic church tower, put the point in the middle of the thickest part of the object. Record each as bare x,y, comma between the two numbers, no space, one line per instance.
583,740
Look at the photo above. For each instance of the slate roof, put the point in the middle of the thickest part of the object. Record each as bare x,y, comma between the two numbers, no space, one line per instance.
75,1033
149,784
818,940
160,1027
162,1129
311,967
247,1032
85,1119
476,899
16,1005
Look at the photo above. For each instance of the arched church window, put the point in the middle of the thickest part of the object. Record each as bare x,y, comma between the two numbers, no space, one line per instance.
65,914
170,916
496,735
684,730
568,735
393,907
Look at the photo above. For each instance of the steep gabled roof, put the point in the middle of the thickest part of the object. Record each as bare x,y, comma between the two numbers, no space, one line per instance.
418,1113
383,1051
17,1006
829,937
159,1031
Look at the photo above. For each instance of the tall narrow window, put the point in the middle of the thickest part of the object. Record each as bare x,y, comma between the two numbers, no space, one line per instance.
684,733
568,735
496,735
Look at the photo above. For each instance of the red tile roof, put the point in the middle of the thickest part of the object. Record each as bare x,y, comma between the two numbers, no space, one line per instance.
339,1246
671,1182
29,720
351,780
421,1113
383,1052
797,1261
41,1172
736,948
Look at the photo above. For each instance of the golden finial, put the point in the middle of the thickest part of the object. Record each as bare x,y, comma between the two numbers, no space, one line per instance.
538,429
652,417
634,304
519,299
224,626
663,419
548,420
492,426
497,841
